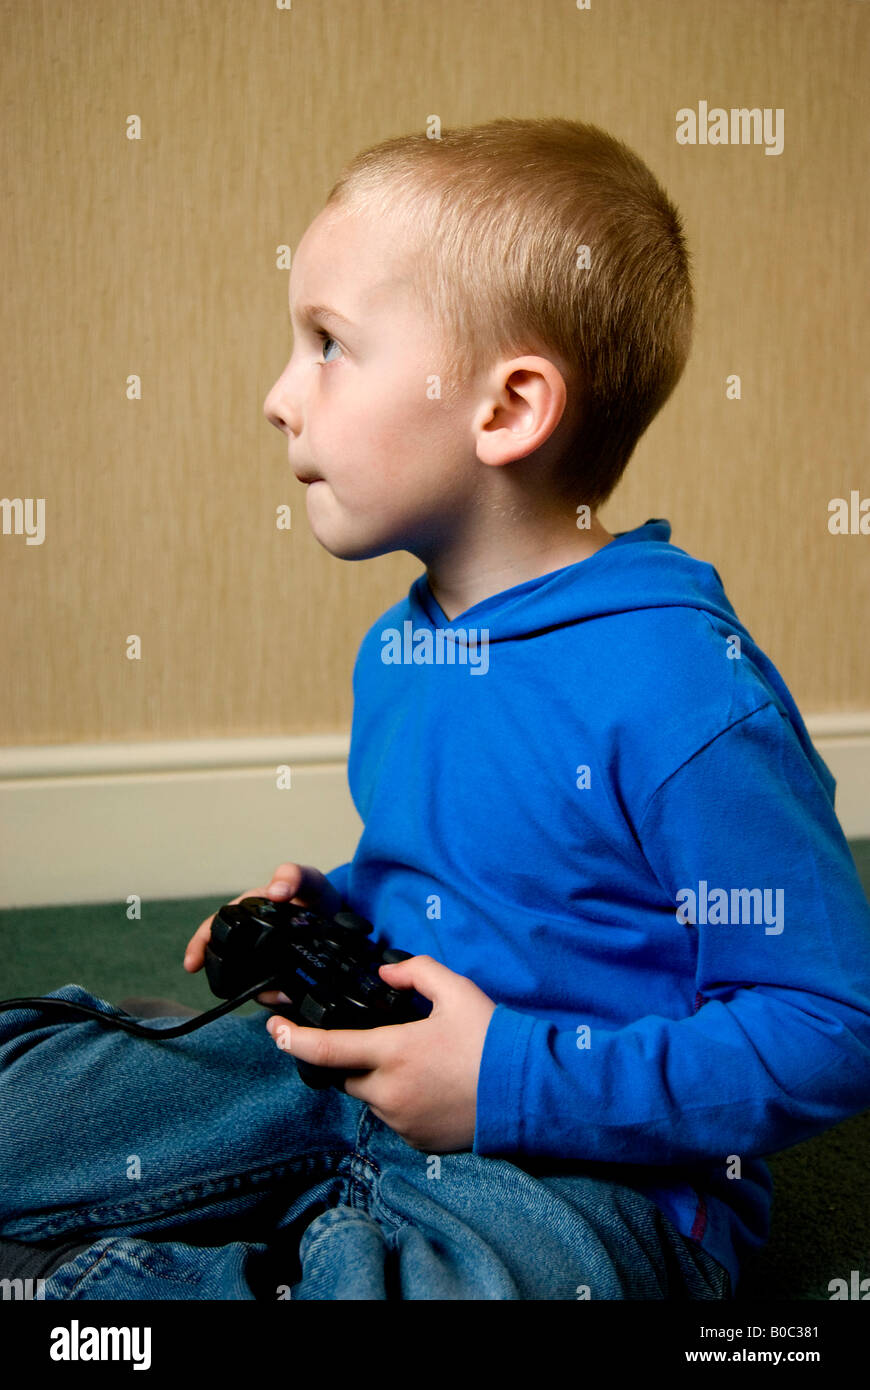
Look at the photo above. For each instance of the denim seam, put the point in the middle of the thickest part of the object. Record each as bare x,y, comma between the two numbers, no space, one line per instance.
364,1129
181,1198
85,1272
137,1262
364,1174
384,1212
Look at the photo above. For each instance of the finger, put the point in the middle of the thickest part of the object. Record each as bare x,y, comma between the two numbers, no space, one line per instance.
359,1085
194,955
304,884
289,881
428,977
347,1048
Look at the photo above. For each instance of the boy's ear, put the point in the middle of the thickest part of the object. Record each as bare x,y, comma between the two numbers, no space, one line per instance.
523,401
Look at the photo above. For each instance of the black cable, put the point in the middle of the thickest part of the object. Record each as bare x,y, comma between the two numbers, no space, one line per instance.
128,1023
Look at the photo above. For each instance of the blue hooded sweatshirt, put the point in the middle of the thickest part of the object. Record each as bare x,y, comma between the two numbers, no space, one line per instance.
593,795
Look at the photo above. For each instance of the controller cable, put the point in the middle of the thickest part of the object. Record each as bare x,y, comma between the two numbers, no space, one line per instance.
120,1019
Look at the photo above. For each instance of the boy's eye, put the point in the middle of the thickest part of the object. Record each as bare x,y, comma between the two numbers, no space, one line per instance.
325,339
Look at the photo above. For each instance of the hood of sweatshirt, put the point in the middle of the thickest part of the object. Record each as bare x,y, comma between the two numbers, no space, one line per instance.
637,569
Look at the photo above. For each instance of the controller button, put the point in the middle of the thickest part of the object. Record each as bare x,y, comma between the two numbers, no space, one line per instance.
393,955
352,921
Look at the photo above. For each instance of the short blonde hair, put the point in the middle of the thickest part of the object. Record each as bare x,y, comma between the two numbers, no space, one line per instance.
505,207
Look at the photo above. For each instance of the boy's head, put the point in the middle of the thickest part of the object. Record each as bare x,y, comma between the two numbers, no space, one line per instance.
479,323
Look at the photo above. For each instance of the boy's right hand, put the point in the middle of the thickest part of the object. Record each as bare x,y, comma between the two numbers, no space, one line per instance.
297,883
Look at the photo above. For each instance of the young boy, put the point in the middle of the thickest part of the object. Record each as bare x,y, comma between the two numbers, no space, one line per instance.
592,814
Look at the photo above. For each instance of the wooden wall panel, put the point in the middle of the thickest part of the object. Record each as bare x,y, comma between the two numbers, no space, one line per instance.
157,257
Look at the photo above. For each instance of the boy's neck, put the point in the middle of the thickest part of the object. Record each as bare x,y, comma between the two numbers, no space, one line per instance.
475,571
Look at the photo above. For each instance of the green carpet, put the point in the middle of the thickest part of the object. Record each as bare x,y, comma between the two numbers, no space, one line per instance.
96,946
821,1215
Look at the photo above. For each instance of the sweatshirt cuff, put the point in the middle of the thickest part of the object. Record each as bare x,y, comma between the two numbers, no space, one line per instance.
498,1126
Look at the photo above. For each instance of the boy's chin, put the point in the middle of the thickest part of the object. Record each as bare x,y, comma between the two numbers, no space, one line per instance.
346,545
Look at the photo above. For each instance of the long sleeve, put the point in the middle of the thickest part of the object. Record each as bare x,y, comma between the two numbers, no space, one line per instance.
778,1047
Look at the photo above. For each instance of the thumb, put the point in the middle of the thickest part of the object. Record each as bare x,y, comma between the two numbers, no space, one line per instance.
429,977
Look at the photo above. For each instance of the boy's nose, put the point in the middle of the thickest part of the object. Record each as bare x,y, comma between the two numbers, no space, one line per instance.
280,411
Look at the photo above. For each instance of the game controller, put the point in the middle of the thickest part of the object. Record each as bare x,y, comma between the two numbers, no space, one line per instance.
327,967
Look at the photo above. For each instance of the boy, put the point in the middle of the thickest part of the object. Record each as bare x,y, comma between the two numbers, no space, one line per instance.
592,813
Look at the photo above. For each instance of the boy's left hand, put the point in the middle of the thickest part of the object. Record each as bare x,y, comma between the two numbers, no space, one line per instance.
419,1078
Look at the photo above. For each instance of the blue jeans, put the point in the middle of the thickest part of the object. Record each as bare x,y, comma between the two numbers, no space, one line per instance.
204,1168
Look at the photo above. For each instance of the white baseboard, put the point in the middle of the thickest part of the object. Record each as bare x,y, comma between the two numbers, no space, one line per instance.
843,740
89,823
97,822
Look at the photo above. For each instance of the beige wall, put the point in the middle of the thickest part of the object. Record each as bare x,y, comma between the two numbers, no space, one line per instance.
157,257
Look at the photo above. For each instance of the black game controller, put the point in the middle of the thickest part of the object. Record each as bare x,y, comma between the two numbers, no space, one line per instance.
327,967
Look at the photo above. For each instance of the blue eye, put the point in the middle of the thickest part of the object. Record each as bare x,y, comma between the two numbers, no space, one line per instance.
325,338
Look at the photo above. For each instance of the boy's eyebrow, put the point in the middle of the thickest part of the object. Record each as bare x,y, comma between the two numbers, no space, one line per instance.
321,311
